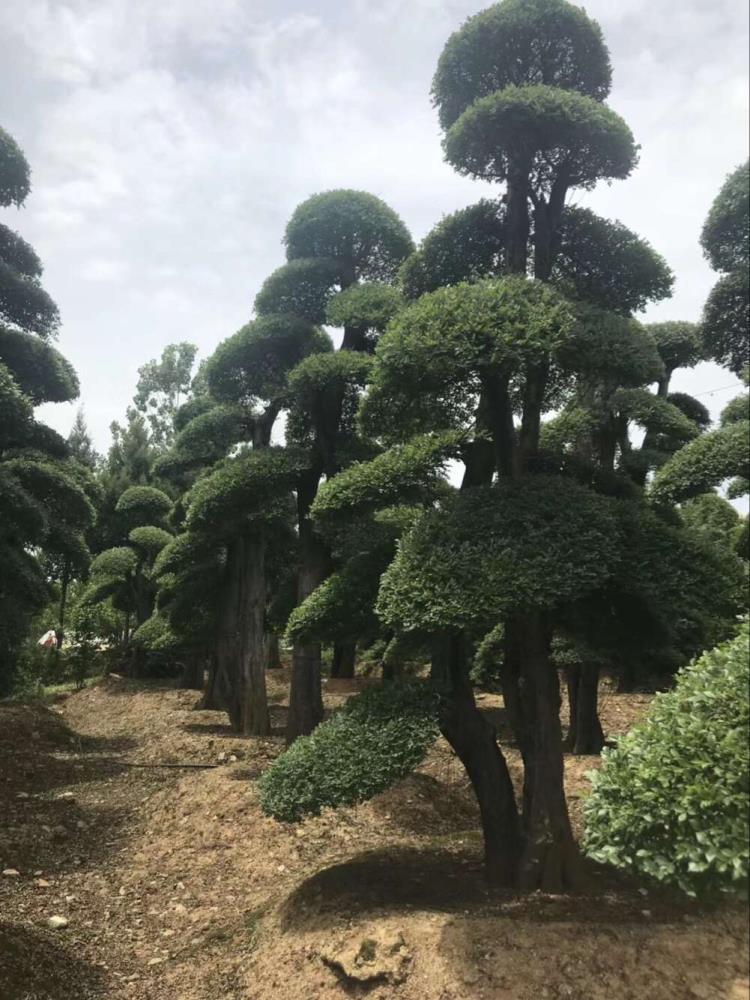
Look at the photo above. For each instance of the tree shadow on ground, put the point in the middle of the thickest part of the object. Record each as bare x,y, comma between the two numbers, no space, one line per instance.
278,714
44,827
452,881
33,966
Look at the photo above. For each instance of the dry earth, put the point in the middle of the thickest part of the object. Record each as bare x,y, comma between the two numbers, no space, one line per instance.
176,887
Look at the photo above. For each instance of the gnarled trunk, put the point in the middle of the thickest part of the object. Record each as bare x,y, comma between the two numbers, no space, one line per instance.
473,739
251,708
273,654
305,698
585,735
551,858
344,659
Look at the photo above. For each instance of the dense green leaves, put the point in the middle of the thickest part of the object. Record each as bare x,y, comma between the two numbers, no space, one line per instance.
520,42
360,232
368,307
612,348
671,800
300,288
725,236
726,321
704,463
251,366
14,172
143,505
41,372
540,127
523,544
678,343
377,738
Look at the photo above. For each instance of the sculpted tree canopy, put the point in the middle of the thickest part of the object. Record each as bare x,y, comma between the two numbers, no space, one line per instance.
302,287
725,236
360,232
15,176
541,131
520,42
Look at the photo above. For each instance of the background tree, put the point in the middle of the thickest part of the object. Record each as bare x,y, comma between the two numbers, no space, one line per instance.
161,388
44,509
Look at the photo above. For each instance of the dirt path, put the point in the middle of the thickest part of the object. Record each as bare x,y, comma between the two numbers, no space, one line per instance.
175,887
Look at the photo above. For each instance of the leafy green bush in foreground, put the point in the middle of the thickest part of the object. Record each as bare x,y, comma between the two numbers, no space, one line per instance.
671,801
379,736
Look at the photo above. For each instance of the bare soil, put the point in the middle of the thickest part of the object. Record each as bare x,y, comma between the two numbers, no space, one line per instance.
176,887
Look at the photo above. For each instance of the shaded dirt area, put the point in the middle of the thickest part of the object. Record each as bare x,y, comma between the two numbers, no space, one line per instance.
176,887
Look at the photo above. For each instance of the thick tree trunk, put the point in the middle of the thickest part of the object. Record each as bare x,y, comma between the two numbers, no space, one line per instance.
344,659
551,860
273,653
193,672
305,698
473,739
227,647
251,710
517,228
585,735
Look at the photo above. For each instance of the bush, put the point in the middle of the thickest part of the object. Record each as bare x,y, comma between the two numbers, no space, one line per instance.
671,801
380,736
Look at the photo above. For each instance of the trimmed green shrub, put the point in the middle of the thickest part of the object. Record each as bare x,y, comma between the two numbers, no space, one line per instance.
379,736
671,801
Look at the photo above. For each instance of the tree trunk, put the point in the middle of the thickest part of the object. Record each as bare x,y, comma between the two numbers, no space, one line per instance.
193,672
227,651
585,735
273,654
64,584
517,226
344,659
251,711
551,860
473,739
305,698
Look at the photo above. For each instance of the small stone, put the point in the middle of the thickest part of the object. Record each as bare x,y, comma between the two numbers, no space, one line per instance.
81,825
232,758
646,913
11,872
155,961
221,757
42,883
22,795
65,797
57,923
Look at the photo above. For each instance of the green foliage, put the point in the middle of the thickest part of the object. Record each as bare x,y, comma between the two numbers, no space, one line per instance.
692,408
403,473
520,42
143,505
671,801
360,232
654,413
434,354
204,440
379,737
149,539
725,237
736,410
465,246
24,303
679,344
161,386
244,492
602,262
488,659
114,563
42,373
541,126
726,321
301,287
252,365
368,307
14,172
611,348
572,426
523,544
704,463
712,516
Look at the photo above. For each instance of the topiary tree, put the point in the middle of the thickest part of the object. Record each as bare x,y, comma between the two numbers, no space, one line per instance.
670,801
724,238
124,574
45,511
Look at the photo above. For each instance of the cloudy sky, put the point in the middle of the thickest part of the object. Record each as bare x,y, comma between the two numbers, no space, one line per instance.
171,139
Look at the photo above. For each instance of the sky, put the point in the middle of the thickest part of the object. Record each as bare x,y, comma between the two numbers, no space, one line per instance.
170,141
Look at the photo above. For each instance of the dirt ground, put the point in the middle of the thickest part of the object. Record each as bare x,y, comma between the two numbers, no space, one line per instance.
176,887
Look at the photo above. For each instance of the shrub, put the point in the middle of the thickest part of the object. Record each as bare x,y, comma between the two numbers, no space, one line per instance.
671,801
380,736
